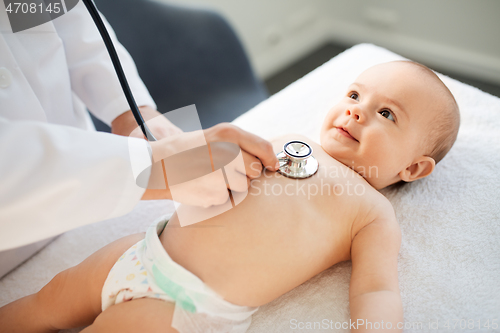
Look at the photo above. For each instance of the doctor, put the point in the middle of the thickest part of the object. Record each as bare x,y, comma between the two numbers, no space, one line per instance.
56,171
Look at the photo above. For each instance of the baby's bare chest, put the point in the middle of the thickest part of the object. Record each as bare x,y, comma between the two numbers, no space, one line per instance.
322,207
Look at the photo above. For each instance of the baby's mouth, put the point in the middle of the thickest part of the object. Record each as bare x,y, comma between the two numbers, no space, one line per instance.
346,133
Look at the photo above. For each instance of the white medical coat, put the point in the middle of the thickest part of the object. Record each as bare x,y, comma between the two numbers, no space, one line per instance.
56,171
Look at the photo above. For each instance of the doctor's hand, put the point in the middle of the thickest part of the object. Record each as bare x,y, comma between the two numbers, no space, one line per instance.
159,125
256,151
206,191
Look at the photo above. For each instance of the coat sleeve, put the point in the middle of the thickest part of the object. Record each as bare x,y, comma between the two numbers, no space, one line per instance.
55,178
93,77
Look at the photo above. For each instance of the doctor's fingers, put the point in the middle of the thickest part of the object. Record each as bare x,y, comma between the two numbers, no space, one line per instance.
251,143
241,171
236,181
252,166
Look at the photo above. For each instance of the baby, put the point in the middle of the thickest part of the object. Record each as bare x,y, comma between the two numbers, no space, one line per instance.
396,121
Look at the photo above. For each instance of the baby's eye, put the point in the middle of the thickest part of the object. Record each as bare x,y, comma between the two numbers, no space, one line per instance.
354,95
387,114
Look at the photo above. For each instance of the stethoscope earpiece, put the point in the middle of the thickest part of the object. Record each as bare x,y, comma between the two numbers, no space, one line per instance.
296,160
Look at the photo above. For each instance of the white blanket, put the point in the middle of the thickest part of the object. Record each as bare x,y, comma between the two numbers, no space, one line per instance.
449,263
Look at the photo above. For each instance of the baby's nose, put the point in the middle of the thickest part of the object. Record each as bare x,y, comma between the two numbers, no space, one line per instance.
355,114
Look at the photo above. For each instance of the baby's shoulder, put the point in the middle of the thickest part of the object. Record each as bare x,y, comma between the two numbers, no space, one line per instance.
378,211
383,208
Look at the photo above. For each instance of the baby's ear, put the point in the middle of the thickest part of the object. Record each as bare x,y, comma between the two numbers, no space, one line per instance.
420,168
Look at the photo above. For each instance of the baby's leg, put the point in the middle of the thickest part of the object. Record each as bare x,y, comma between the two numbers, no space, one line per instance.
71,299
145,315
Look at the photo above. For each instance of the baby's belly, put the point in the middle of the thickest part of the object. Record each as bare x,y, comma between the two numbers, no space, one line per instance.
266,245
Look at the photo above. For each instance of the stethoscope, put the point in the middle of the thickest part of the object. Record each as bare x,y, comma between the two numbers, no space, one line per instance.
296,160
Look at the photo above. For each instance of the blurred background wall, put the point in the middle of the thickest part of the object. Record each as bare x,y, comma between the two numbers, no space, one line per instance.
452,36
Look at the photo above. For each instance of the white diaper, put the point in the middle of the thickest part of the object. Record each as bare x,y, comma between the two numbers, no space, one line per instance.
147,271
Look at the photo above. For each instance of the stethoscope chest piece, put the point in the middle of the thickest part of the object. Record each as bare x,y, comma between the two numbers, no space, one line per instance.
296,160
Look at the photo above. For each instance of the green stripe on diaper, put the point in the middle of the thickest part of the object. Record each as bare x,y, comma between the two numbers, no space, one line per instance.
173,290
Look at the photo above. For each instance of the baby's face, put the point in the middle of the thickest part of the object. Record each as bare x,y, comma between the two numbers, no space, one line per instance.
379,125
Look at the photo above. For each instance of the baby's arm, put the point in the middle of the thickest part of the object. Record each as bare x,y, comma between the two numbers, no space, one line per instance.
374,291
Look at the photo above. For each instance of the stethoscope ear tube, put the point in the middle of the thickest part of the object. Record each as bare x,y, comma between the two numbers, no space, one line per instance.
118,68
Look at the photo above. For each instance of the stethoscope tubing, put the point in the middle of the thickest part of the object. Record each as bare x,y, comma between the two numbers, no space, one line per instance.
118,68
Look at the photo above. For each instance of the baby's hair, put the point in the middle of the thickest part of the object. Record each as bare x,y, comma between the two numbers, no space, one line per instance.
444,129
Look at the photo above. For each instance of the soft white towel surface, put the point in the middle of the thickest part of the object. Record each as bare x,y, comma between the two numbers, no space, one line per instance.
449,263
